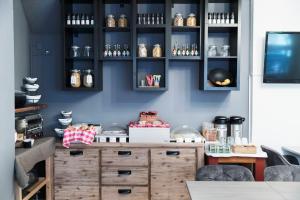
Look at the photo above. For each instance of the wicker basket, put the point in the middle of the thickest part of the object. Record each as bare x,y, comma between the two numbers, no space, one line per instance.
244,149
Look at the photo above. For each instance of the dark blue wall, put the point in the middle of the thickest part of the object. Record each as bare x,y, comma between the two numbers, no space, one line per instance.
183,103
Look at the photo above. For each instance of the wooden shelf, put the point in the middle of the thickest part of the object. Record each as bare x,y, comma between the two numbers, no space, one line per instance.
222,57
186,58
31,108
151,58
116,29
81,89
146,89
223,25
121,58
35,188
185,28
80,59
214,88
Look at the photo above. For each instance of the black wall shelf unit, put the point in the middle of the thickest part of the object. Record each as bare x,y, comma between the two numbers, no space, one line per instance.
166,34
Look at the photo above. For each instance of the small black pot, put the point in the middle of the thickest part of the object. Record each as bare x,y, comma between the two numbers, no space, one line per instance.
221,75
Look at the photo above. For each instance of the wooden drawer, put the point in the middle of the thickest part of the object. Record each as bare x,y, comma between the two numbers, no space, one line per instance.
124,175
170,169
124,157
76,167
124,193
76,192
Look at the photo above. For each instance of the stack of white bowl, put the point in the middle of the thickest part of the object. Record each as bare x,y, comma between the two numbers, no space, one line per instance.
31,88
65,121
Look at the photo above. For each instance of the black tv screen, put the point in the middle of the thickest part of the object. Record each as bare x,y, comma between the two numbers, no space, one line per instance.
282,57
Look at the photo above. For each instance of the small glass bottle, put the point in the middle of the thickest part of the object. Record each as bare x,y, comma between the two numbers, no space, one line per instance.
87,20
232,20
119,50
88,78
73,19
183,51
174,51
148,19
187,51
115,51
127,49
78,19
82,19
222,18
153,19
214,18
92,20
227,18
209,18
191,20
109,53
178,52
122,22
162,21
193,50
124,51
105,53
157,18
68,19
196,50
144,18
110,21
218,20
139,17
178,19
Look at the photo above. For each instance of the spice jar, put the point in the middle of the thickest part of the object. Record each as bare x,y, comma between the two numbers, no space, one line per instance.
178,20
110,21
75,78
191,20
122,22
157,52
142,50
88,78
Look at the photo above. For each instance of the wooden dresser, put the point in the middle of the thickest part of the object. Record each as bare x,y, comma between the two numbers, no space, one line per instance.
115,171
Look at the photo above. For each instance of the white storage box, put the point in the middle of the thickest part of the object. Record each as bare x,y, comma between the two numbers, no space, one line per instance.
149,135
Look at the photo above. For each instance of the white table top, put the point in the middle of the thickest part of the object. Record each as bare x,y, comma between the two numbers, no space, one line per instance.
259,154
214,190
292,149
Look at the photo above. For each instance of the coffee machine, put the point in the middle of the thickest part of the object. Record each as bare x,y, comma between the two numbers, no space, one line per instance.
236,128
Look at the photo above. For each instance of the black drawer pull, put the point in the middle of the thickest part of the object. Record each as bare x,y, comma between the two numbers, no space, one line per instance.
124,172
173,153
124,153
124,191
76,153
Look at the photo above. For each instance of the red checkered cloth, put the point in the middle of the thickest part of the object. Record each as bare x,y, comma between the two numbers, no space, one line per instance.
78,135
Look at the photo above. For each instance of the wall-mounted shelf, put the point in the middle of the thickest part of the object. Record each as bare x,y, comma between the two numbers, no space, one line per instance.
166,34
31,108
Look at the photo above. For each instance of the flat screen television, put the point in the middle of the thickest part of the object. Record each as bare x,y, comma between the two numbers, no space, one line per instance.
282,57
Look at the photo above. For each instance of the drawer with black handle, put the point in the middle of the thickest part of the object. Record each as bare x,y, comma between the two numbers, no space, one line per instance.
124,193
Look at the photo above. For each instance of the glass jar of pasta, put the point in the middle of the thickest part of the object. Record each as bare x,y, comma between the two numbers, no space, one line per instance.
122,22
110,21
75,78
157,51
178,19
191,20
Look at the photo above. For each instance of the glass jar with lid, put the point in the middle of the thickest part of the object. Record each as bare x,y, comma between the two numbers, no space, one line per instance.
75,51
224,51
75,78
185,132
122,22
212,51
178,19
142,50
110,21
157,51
88,78
191,20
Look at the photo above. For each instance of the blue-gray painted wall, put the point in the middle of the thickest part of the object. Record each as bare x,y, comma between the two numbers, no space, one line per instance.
183,103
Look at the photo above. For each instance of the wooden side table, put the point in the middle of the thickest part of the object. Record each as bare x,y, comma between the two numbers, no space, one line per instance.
258,160
43,181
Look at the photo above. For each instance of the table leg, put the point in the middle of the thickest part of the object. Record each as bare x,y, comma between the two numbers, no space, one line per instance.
260,165
212,160
18,192
49,177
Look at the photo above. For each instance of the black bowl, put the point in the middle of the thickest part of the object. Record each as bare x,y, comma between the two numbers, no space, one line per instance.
220,75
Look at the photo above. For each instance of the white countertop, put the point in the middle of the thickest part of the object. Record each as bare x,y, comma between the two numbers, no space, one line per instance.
214,190
259,154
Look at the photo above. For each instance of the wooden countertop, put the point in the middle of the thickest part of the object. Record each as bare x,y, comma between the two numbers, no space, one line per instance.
133,145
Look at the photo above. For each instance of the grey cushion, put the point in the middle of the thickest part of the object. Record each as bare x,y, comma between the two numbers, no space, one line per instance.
224,173
282,173
274,157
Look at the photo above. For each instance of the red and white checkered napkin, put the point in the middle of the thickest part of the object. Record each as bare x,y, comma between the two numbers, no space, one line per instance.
78,135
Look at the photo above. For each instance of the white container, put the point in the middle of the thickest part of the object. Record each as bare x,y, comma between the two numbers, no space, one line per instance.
149,135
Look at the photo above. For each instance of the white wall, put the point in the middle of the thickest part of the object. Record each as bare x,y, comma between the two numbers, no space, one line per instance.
22,44
7,145
275,107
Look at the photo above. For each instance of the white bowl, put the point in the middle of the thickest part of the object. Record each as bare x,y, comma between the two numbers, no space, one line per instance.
31,80
65,122
59,132
66,114
33,99
31,88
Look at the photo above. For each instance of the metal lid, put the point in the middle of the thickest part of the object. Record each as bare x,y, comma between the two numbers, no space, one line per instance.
75,47
75,70
191,15
156,45
221,120
122,16
236,120
142,44
88,71
110,16
178,15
